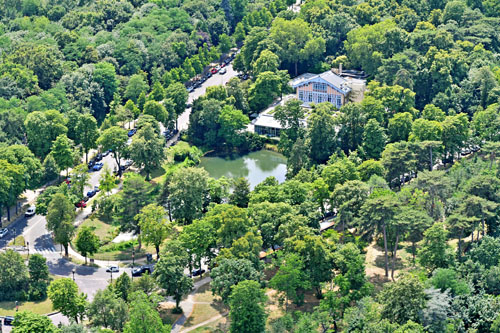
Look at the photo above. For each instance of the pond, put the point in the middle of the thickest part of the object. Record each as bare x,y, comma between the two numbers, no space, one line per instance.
255,166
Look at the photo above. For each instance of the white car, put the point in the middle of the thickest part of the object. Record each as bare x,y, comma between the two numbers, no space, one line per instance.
3,232
31,211
113,269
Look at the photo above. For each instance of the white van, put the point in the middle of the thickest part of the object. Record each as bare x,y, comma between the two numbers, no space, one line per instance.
31,211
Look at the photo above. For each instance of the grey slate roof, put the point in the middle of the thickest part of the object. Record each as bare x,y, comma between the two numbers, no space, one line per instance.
328,76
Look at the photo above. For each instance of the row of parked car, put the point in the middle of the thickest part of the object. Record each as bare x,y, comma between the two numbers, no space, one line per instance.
95,164
214,70
169,134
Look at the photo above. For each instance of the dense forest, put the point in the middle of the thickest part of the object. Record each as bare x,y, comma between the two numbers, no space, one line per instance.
409,176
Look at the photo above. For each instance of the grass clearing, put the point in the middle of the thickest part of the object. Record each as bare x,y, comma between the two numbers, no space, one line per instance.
105,232
18,241
219,325
203,311
39,307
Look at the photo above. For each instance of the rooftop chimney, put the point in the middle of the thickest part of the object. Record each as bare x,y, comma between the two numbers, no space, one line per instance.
340,69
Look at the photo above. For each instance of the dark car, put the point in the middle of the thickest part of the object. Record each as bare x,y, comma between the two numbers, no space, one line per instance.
7,321
138,271
98,157
106,153
98,166
91,164
131,132
86,198
197,272
190,89
91,193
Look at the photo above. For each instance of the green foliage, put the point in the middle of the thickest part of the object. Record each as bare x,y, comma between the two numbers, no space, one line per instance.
247,308
87,243
26,322
65,298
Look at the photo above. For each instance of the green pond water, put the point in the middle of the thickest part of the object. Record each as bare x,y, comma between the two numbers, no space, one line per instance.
255,166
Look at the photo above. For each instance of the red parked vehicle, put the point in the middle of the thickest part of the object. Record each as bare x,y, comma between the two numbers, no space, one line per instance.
213,70
81,204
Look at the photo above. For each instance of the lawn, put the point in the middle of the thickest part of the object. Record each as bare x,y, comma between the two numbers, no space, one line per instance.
206,306
40,307
219,325
105,232
18,241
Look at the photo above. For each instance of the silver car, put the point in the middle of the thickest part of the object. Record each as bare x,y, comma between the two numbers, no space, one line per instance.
3,232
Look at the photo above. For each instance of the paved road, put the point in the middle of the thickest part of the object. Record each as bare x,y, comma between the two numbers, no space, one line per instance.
215,80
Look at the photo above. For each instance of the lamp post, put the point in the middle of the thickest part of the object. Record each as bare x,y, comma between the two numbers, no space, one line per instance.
111,273
28,246
17,307
133,263
73,271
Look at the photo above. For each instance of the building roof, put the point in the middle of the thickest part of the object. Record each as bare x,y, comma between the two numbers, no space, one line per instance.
267,120
329,77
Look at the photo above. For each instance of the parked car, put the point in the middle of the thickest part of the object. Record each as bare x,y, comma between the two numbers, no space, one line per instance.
91,164
128,163
3,232
86,198
106,153
96,189
131,132
8,321
91,193
190,89
222,65
98,166
138,271
68,180
213,70
223,71
31,211
113,269
81,204
197,272
98,157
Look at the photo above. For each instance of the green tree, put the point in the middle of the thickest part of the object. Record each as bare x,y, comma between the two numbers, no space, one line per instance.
376,216
241,192
397,159
179,96
369,168
62,151
296,41
267,62
60,215
230,272
247,312
39,277
135,194
374,139
225,43
157,93
87,133
199,238
122,287
108,310
321,133
169,273
153,225
144,318
403,300
146,149
65,298
105,75
435,251
266,88
155,109
400,126
290,279
290,116
115,138
232,122
27,322
136,85
87,243
13,275
50,168
188,188
79,179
